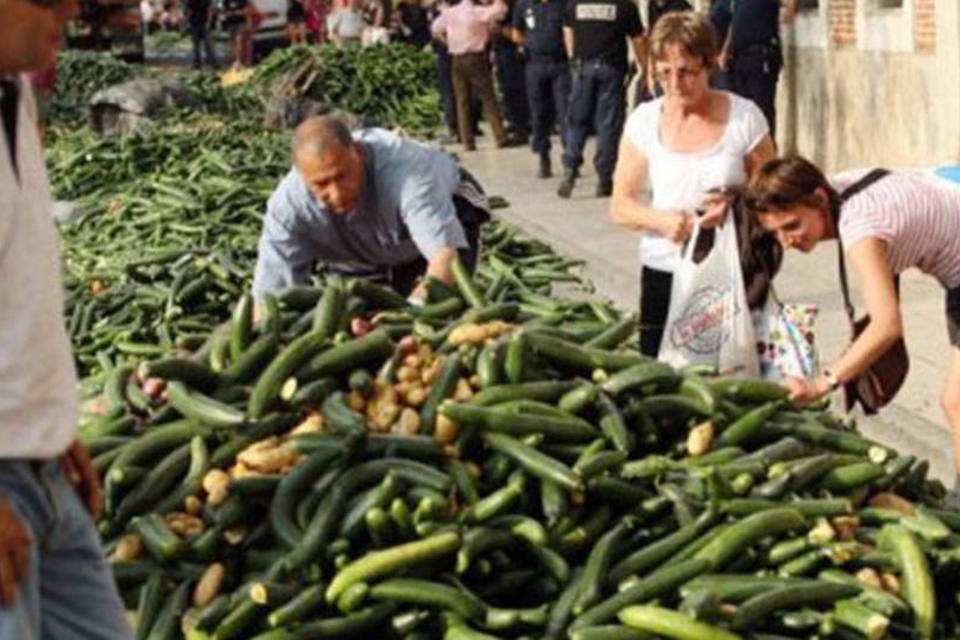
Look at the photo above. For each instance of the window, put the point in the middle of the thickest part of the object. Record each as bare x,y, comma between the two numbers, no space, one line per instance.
808,5
889,4
810,28
885,25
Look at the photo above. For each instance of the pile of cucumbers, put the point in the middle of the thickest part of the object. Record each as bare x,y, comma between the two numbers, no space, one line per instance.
555,483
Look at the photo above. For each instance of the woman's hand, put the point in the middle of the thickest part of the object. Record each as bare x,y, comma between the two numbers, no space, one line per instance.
677,227
715,207
803,392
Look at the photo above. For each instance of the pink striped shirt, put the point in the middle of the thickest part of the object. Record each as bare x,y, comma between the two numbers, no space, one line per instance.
918,219
468,26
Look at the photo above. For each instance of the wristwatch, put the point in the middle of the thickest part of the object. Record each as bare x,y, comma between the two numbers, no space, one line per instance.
832,379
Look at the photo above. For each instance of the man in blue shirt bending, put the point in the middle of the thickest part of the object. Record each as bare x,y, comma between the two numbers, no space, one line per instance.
368,204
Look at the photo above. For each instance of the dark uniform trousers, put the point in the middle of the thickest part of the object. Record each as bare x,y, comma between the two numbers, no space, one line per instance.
755,72
596,102
510,77
548,89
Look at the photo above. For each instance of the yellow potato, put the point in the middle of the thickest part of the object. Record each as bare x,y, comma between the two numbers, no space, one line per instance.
209,584
463,392
185,525
446,430
215,483
128,548
700,439
409,423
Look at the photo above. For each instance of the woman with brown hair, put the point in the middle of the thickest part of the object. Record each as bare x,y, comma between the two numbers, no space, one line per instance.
676,153
898,222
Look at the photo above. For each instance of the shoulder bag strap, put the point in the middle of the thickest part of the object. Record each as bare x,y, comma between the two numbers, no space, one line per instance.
855,188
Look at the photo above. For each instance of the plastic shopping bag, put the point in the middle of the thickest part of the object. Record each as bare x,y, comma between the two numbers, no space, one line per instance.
709,322
785,339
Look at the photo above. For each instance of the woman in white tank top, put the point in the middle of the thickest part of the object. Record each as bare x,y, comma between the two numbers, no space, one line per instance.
674,151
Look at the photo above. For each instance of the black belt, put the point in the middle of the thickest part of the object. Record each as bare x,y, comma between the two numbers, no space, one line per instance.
547,59
763,49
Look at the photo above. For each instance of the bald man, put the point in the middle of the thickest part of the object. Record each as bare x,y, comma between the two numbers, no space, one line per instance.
369,204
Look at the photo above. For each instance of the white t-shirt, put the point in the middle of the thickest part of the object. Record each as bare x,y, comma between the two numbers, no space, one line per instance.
678,181
37,377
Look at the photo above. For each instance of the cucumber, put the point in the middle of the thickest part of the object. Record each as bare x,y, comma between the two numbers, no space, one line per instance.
203,409
671,624
326,316
372,347
442,388
267,388
193,374
241,326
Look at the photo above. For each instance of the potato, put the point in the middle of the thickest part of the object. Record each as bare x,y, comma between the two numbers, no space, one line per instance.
412,361
890,583
432,372
700,439
463,392
892,501
215,483
312,424
446,430
869,576
128,548
209,585
193,505
822,533
356,401
185,525
407,345
408,424
846,527
269,459
416,396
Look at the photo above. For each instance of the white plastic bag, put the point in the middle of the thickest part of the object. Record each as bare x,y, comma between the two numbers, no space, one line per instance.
709,322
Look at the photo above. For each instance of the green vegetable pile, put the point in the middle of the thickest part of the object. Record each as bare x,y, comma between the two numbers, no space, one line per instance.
499,463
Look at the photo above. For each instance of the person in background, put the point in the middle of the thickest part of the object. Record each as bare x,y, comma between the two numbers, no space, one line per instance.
465,28
375,17
369,204
595,36
681,147
345,25
200,19
896,223
238,22
412,24
54,579
752,51
316,20
296,22
509,65
647,88
538,28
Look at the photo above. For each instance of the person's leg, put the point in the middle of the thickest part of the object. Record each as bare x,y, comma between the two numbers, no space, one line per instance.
208,47
445,85
510,74
461,91
75,579
482,79
755,78
561,97
30,508
655,288
579,119
537,82
609,122
196,38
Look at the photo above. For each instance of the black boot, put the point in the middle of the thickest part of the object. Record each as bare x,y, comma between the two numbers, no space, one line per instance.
566,186
604,188
545,170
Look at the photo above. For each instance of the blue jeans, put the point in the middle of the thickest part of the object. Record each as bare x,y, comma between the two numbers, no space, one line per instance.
509,67
548,89
596,102
69,593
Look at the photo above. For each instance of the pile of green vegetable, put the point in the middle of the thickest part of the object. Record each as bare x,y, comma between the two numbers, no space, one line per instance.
499,463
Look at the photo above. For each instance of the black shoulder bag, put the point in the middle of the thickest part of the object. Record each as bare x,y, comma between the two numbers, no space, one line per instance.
880,382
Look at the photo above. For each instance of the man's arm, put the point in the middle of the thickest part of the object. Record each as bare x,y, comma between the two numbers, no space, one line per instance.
639,44
568,41
284,257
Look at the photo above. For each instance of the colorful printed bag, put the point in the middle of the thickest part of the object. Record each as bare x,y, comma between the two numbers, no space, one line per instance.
785,339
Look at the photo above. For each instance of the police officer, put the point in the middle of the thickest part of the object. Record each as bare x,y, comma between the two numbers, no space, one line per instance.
538,27
595,34
510,76
752,51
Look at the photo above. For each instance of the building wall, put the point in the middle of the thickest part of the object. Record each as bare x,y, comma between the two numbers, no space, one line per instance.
864,87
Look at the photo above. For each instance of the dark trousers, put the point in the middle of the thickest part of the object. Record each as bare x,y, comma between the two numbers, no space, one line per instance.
548,90
596,100
473,76
510,77
403,278
755,77
200,35
655,288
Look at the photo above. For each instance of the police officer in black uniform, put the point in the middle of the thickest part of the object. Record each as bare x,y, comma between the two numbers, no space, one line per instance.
538,26
595,35
509,65
752,49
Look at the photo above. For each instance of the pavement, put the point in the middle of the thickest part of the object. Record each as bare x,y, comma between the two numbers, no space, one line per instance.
581,227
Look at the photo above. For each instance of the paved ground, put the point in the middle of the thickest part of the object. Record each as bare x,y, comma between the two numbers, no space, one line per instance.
581,227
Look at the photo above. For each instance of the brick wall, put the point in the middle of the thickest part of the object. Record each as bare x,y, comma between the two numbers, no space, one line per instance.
924,26
841,15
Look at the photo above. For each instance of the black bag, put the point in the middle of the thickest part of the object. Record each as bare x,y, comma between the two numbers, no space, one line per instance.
880,382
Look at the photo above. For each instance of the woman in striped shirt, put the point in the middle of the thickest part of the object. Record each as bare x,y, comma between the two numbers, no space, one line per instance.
898,222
